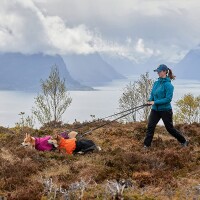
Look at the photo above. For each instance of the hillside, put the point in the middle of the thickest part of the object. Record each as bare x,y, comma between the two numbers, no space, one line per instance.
24,72
91,69
166,171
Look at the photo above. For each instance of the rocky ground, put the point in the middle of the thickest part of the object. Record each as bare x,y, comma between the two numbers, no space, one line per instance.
122,170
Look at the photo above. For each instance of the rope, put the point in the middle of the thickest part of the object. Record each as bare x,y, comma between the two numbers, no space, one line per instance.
101,119
135,110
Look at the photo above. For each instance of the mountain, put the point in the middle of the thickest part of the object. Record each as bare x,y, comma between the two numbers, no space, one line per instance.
24,72
126,67
121,64
91,69
189,66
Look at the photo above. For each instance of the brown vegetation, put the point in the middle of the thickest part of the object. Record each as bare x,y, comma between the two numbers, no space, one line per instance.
165,171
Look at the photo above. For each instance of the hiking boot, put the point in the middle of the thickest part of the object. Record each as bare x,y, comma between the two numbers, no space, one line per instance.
146,147
185,144
99,148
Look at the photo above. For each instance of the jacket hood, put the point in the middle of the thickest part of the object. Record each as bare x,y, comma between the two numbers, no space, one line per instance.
166,79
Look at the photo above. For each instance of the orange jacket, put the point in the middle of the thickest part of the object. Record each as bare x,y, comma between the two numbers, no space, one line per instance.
68,144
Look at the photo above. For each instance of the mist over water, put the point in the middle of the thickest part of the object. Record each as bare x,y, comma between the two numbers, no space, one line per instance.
100,103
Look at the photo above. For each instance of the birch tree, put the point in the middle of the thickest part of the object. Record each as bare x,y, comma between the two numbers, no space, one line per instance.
187,109
53,100
136,94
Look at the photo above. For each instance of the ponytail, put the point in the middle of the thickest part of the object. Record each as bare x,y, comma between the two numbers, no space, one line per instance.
170,74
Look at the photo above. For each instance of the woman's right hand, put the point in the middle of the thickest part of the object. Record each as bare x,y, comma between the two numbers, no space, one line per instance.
150,102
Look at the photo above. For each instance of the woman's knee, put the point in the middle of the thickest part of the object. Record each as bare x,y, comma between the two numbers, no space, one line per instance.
151,126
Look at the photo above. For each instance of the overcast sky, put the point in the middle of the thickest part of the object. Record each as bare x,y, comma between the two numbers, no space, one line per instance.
136,29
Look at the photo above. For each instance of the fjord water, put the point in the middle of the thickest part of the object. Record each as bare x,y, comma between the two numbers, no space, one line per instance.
102,102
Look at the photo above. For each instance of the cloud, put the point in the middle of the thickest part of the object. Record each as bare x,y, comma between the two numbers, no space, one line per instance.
142,49
28,30
135,29
161,24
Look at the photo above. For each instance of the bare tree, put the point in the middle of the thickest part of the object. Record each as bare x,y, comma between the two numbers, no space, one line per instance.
129,100
136,94
145,85
54,99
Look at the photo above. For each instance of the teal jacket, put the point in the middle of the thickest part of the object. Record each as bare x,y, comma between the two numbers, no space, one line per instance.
161,94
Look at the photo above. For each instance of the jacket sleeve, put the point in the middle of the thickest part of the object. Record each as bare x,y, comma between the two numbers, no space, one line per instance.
151,98
168,97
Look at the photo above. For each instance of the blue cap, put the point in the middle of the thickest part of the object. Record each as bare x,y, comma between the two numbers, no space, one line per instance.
160,68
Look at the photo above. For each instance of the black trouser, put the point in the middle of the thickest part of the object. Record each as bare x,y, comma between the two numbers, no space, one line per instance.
154,118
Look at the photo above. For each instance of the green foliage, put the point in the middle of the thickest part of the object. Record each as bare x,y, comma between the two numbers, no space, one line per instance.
135,94
188,109
54,99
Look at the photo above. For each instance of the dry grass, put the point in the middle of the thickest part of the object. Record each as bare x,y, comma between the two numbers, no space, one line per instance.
165,171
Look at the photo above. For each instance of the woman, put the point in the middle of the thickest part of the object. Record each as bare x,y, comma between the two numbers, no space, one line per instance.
160,98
